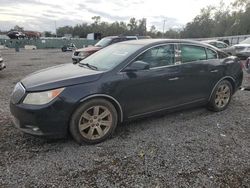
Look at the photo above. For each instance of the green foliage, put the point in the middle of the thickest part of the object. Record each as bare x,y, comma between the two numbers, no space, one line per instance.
222,21
17,28
48,34
134,27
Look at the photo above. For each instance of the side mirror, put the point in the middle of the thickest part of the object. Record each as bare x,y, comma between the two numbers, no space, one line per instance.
137,66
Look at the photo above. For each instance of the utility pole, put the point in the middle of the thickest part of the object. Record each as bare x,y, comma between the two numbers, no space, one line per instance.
163,29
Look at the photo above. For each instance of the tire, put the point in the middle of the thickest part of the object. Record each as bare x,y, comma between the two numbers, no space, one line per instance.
221,96
248,65
93,122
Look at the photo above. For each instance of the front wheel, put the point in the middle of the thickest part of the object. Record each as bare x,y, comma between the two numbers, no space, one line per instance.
94,121
221,96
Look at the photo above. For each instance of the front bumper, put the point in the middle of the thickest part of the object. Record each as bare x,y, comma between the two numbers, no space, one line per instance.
44,120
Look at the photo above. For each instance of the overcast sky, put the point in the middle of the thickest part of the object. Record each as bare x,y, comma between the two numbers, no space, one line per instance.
41,15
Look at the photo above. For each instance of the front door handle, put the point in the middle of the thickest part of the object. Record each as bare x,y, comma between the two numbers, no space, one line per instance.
214,70
172,79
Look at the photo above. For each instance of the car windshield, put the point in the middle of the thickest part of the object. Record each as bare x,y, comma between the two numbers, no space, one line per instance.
104,42
246,41
110,57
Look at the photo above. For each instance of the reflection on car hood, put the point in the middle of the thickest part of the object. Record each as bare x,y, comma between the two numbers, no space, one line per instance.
59,76
89,49
242,45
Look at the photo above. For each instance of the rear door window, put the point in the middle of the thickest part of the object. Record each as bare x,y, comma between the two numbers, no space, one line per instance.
190,53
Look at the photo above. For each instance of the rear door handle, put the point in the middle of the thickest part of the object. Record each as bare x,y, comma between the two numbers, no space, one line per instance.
172,79
214,70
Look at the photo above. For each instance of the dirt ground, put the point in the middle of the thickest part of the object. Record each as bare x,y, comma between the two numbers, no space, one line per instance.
191,148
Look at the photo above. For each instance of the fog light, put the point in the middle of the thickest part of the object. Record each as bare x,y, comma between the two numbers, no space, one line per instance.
35,129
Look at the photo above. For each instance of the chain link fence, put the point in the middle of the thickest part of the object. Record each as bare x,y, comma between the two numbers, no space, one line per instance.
45,43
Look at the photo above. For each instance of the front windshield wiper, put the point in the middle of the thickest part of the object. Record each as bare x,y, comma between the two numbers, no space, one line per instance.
88,65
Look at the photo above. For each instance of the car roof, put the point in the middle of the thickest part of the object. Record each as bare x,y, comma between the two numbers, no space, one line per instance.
152,42
160,41
207,41
113,37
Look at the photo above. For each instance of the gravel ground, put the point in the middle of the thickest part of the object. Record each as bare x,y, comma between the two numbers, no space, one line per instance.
191,148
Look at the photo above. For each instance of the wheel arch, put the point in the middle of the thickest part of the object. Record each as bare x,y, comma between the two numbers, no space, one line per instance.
228,78
109,98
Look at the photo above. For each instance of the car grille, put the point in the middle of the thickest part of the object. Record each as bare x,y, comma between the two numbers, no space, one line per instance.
18,93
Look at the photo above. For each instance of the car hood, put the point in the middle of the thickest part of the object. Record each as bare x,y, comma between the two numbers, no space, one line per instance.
242,45
89,49
59,76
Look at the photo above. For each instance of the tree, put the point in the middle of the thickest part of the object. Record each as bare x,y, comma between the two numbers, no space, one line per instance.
96,19
48,34
142,27
61,31
241,5
212,21
132,25
18,28
152,29
222,21
201,26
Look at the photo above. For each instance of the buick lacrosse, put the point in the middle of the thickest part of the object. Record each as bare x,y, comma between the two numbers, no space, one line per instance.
121,82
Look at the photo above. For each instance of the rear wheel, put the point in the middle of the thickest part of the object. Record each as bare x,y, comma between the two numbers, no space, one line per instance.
93,122
248,65
221,96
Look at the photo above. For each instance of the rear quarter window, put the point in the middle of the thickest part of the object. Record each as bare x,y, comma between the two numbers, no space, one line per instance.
191,53
130,39
211,54
222,55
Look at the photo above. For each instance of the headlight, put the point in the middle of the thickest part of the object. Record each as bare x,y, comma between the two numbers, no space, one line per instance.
39,98
82,54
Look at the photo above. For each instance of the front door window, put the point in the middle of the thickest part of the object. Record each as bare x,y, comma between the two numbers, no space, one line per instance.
159,56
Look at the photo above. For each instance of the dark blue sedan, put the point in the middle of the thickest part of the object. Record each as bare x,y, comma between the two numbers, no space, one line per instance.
124,81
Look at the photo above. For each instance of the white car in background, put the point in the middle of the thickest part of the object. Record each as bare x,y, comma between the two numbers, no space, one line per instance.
221,45
218,44
2,65
241,50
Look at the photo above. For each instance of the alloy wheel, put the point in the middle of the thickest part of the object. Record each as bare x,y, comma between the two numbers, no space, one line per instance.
222,96
95,122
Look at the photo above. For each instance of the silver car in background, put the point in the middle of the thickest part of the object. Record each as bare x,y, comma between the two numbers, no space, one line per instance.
218,44
241,50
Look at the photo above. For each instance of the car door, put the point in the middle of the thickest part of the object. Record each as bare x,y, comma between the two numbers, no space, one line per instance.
215,66
153,89
198,71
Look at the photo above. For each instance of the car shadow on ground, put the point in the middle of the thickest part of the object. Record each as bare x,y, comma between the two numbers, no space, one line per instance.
125,130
